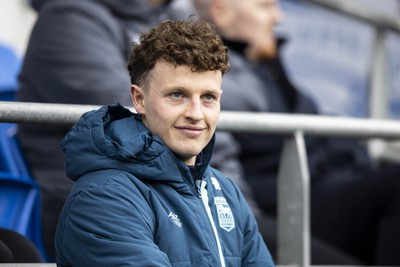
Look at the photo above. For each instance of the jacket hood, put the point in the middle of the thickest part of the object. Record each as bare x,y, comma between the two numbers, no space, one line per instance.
115,138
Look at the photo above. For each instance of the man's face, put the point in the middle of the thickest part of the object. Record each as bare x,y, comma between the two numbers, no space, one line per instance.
180,106
253,21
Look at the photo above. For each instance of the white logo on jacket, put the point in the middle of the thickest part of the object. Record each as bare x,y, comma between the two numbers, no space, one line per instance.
175,219
225,215
214,181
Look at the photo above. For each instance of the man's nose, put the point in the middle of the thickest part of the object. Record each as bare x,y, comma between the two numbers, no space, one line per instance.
194,110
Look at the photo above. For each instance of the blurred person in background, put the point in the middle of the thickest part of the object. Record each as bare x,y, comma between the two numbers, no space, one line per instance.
354,207
77,54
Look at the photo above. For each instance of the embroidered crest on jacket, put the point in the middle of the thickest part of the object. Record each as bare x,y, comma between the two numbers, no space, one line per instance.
225,215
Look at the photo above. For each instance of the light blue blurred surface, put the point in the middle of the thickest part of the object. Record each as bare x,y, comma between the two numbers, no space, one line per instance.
329,55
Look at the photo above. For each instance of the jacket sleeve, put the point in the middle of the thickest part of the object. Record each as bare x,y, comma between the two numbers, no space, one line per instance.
255,252
108,225
85,66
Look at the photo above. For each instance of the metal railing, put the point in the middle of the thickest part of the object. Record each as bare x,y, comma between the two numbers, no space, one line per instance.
293,177
26,112
363,12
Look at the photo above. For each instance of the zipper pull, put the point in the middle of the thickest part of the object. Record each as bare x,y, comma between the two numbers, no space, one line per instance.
198,187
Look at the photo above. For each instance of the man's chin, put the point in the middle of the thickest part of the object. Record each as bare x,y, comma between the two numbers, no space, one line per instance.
262,53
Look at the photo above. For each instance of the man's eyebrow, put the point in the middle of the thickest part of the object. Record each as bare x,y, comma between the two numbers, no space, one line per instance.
175,88
187,89
213,91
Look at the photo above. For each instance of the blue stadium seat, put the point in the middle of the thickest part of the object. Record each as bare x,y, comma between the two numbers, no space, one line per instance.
11,159
20,208
20,201
9,68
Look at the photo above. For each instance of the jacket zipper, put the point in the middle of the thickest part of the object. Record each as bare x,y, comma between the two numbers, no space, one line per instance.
201,191
204,197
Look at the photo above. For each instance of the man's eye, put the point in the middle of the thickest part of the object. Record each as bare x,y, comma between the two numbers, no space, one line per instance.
209,97
176,94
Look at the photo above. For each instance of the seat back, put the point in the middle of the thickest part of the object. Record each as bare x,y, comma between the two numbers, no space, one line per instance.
9,68
11,158
20,200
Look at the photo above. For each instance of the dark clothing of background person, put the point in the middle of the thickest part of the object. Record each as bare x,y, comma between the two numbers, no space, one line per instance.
352,205
77,53
225,158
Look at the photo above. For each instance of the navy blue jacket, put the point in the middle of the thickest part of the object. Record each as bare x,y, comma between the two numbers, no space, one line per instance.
136,204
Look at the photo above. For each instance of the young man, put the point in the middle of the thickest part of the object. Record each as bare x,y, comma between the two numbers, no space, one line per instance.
145,194
353,207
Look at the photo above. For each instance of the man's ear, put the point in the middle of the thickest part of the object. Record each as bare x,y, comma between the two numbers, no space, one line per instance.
138,99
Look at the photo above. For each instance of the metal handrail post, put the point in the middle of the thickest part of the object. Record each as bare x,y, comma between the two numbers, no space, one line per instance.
379,89
293,204
379,77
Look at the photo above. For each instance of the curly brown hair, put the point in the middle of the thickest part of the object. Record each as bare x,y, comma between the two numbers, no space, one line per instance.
191,42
